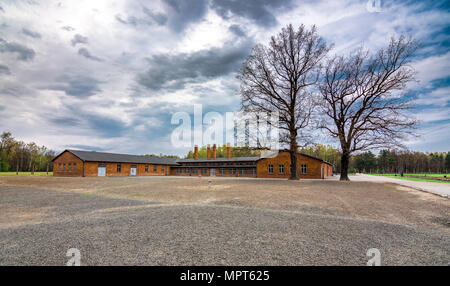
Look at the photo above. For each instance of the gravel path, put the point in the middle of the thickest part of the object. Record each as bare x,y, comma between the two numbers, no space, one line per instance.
441,189
114,231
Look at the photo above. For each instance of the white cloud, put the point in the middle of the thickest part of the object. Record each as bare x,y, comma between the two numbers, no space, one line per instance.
41,94
437,97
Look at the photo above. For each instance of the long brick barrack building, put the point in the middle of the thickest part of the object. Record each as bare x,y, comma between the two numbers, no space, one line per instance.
271,164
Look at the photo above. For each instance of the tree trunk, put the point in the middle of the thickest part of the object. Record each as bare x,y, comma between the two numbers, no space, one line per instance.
345,160
293,167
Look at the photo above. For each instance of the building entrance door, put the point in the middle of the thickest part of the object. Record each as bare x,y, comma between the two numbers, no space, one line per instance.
212,172
133,170
101,170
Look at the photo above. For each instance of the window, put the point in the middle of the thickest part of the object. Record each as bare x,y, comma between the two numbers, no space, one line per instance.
119,168
146,168
232,171
194,171
74,167
204,171
178,170
242,171
280,169
186,170
64,167
155,169
69,168
270,169
253,171
304,169
162,169
59,167
222,171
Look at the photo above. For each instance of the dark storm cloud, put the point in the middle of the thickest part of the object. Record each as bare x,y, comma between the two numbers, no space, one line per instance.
237,30
149,18
159,18
174,71
105,126
81,86
259,11
132,20
79,39
68,28
30,33
23,53
85,53
4,70
183,13
65,121
178,14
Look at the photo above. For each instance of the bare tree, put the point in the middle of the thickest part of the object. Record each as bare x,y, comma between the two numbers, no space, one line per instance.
364,101
279,78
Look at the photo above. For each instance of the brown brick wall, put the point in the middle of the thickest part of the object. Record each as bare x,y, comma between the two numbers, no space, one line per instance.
313,167
111,169
65,159
91,168
208,172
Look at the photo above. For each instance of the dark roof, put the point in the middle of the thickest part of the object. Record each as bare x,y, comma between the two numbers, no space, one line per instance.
119,158
222,159
141,159
313,157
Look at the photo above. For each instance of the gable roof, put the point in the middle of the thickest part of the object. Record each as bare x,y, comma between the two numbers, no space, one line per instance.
221,159
275,153
94,156
119,158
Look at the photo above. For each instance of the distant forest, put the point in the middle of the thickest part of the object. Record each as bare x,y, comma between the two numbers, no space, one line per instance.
28,157
387,161
23,157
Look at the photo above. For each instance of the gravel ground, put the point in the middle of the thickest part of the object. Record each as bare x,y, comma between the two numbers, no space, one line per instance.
134,222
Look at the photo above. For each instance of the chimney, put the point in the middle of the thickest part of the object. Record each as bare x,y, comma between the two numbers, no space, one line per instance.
208,152
228,151
195,152
214,151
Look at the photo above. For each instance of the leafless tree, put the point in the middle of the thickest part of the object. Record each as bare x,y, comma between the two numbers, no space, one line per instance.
279,78
364,99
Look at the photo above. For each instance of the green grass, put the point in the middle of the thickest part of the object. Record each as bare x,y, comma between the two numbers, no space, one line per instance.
422,179
430,175
26,174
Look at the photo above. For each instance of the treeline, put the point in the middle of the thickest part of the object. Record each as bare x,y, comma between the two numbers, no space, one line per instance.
221,152
393,161
326,153
19,156
387,161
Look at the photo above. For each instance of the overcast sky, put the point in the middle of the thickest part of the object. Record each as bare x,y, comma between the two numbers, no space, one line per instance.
108,75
